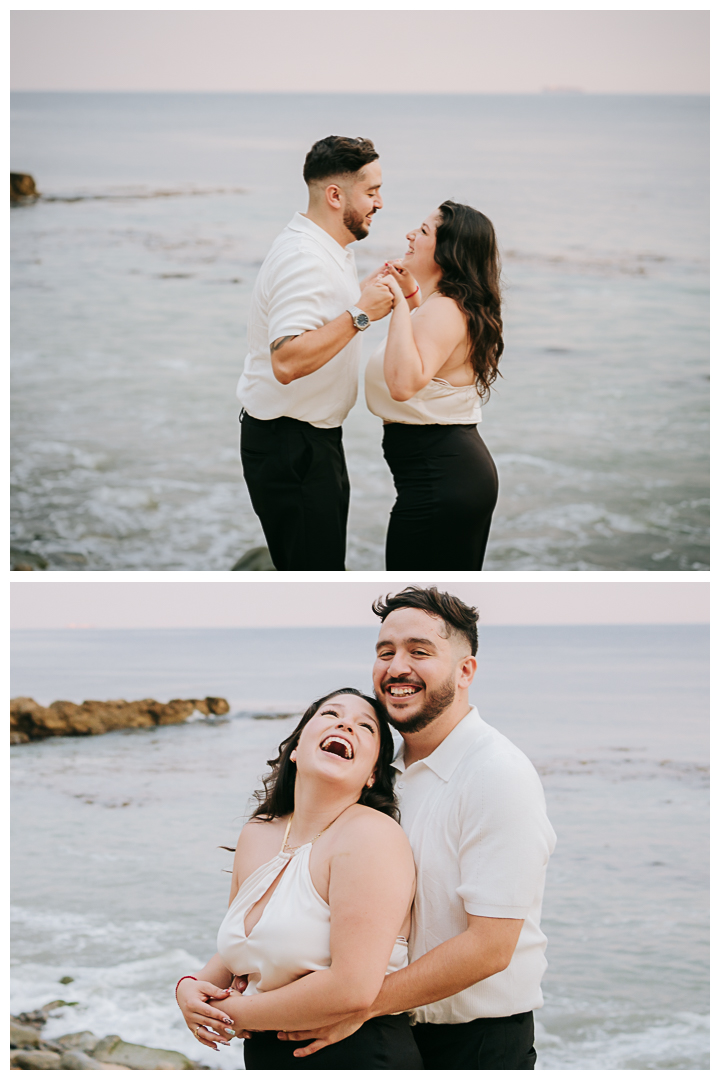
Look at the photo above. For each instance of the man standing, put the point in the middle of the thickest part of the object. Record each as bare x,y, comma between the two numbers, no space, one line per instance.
301,371
474,811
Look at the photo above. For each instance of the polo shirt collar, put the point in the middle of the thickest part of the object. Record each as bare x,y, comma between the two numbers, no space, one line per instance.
300,223
447,756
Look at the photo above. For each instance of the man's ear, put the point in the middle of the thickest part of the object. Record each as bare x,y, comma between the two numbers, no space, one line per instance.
466,670
334,196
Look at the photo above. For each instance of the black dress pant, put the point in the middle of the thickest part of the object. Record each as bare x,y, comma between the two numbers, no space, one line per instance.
495,1042
385,1042
299,488
447,487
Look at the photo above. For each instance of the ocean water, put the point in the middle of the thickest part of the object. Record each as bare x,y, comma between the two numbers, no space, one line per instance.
118,877
131,290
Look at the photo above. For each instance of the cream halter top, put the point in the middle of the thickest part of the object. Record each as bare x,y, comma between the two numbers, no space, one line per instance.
292,936
437,403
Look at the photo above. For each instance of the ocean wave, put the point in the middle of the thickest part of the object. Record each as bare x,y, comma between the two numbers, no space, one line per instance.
135,193
133,999
627,768
673,1042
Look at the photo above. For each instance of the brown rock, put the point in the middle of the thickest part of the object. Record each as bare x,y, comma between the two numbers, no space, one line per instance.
115,1051
218,706
29,721
34,1059
22,1035
79,1040
22,188
174,712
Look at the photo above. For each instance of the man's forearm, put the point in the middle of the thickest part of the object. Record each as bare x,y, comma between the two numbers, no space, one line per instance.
294,357
451,967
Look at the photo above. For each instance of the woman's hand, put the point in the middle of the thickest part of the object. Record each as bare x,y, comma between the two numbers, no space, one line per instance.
390,282
408,284
198,1001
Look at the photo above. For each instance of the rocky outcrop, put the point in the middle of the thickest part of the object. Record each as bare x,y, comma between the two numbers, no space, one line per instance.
82,1049
22,188
257,558
30,721
26,560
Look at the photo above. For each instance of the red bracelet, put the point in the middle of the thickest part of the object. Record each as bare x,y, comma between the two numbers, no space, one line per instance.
180,980
412,293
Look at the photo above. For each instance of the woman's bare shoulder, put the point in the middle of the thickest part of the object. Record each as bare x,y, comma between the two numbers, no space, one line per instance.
372,825
440,310
259,834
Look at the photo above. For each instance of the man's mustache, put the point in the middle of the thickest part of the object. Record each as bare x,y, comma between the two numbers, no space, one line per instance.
402,682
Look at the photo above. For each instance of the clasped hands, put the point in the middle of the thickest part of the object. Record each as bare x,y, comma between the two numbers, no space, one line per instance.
202,1005
392,278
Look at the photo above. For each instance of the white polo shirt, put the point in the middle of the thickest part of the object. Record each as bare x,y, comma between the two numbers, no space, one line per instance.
306,281
474,812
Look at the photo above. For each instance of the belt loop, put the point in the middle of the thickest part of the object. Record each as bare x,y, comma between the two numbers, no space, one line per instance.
242,413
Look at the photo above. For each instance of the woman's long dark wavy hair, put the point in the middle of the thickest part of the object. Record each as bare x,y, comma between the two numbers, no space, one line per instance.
278,797
466,251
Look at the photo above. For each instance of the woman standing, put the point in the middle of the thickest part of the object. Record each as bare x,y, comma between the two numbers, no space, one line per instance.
427,382
323,883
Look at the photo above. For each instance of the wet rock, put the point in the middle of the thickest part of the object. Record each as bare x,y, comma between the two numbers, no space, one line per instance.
78,1059
217,706
26,560
79,1040
38,1017
34,1059
23,1035
66,979
257,558
22,188
30,721
113,1050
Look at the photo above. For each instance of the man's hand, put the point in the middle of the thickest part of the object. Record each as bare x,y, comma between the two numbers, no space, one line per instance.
392,283
376,300
325,1036
207,1023
405,280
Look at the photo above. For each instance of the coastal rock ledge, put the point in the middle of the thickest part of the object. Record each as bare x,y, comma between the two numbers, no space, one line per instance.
30,721
82,1049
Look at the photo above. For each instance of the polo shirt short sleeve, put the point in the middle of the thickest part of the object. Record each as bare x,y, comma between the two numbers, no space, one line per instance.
299,292
474,812
306,281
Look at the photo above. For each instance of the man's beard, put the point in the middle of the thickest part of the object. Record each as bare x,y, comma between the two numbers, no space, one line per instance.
436,702
355,223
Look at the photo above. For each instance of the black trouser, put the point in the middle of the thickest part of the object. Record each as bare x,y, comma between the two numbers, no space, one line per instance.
299,488
494,1042
385,1042
447,488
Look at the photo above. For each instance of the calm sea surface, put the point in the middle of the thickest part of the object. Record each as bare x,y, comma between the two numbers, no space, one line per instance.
131,292
117,875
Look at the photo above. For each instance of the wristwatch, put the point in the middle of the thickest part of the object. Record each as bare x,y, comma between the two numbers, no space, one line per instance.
359,318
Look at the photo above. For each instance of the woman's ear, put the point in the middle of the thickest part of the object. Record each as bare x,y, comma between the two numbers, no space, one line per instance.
293,756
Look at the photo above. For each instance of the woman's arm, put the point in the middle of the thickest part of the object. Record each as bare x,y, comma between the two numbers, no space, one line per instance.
371,888
417,348
208,1022
193,996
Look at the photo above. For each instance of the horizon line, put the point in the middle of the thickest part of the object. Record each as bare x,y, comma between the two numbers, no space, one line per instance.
549,93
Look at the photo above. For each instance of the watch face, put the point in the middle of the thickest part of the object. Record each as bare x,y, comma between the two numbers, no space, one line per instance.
362,320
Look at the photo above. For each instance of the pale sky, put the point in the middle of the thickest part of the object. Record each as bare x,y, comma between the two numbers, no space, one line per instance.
249,604
369,50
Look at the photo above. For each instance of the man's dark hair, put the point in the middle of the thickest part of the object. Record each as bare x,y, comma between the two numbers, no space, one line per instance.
337,156
457,616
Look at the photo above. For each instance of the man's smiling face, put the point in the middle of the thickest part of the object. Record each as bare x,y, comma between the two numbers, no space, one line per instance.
416,669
